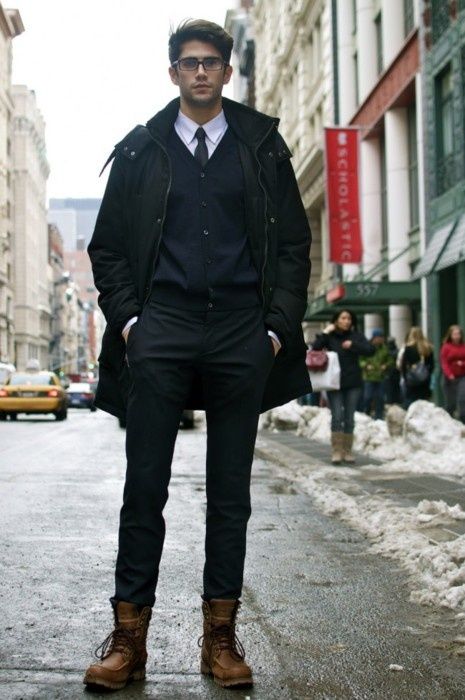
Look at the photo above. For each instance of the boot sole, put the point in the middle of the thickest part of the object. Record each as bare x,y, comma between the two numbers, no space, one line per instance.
94,682
233,683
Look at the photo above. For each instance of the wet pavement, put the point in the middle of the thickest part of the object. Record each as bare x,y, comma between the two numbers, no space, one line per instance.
322,617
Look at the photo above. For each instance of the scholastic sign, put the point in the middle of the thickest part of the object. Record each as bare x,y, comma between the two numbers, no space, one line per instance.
345,242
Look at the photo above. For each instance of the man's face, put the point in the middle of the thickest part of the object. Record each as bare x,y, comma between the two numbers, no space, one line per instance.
200,88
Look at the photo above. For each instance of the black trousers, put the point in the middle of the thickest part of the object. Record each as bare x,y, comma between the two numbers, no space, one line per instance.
232,355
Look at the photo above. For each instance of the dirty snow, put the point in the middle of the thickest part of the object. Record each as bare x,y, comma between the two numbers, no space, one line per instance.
425,439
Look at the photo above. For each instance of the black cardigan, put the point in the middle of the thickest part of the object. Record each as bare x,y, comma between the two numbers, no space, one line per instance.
351,373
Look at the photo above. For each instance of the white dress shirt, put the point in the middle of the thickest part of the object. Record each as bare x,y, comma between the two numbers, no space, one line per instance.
215,129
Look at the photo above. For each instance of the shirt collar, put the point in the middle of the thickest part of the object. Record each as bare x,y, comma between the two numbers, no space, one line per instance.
214,129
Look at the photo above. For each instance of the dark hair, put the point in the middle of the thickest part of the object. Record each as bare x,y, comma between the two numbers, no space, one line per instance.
336,315
200,30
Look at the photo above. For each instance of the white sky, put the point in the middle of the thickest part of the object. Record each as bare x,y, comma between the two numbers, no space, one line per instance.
98,68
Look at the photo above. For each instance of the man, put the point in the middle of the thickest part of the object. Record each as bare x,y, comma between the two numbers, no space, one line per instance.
374,372
201,257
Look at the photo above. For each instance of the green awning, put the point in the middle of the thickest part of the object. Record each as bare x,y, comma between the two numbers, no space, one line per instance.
363,297
454,251
446,248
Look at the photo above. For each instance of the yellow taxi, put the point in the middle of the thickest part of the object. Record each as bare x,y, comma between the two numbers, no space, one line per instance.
33,392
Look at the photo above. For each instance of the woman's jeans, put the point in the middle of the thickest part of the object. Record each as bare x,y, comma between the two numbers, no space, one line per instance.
343,404
454,395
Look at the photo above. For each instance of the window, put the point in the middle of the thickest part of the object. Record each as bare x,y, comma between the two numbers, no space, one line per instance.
379,42
383,178
409,19
445,174
440,19
413,166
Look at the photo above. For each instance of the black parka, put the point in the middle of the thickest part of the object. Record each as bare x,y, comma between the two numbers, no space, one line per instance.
351,372
126,240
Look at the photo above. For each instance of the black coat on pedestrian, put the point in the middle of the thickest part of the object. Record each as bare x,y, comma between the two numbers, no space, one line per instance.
351,372
126,240
411,357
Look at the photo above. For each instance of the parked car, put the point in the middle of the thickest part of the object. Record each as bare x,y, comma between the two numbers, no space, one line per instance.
80,395
32,392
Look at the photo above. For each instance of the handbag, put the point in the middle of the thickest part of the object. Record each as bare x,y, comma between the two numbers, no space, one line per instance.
330,378
417,375
316,360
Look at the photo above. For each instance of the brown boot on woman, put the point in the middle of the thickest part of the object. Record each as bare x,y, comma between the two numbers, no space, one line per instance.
336,447
123,654
222,653
347,442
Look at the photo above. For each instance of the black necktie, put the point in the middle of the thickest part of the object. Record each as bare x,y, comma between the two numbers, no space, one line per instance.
201,150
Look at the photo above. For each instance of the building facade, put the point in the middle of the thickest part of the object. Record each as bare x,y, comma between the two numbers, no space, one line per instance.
239,24
378,91
442,267
294,81
10,26
30,172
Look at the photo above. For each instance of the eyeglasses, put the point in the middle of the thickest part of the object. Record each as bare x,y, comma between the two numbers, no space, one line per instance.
191,63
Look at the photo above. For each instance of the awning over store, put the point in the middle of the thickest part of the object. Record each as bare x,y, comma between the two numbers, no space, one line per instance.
363,297
454,251
446,248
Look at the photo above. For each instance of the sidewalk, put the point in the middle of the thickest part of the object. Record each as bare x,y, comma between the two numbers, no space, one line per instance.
286,448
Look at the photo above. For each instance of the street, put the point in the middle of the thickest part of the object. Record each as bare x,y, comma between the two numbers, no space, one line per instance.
322,617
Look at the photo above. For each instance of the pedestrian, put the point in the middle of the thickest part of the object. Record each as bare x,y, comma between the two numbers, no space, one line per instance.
417,365
452,359
392,382
342,336
201,257
374,373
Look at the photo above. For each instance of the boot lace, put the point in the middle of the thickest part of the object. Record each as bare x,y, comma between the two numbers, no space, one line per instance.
120,639
224,637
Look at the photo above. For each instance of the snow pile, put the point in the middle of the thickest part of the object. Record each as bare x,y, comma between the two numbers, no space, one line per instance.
286,417
423,439
315,424
395,418
430,428
369,434
438,570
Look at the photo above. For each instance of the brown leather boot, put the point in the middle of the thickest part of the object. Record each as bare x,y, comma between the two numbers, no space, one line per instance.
347,442
336,447
222,653
123,654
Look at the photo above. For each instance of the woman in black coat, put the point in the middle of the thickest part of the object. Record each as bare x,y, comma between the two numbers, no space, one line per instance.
341,336
418,350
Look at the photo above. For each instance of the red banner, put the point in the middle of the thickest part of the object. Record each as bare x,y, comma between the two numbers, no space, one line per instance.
345,241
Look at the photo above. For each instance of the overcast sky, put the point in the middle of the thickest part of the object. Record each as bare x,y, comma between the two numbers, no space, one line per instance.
98,68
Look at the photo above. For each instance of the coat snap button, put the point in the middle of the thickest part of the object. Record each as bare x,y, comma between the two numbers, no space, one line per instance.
272,220
133,153
158,221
